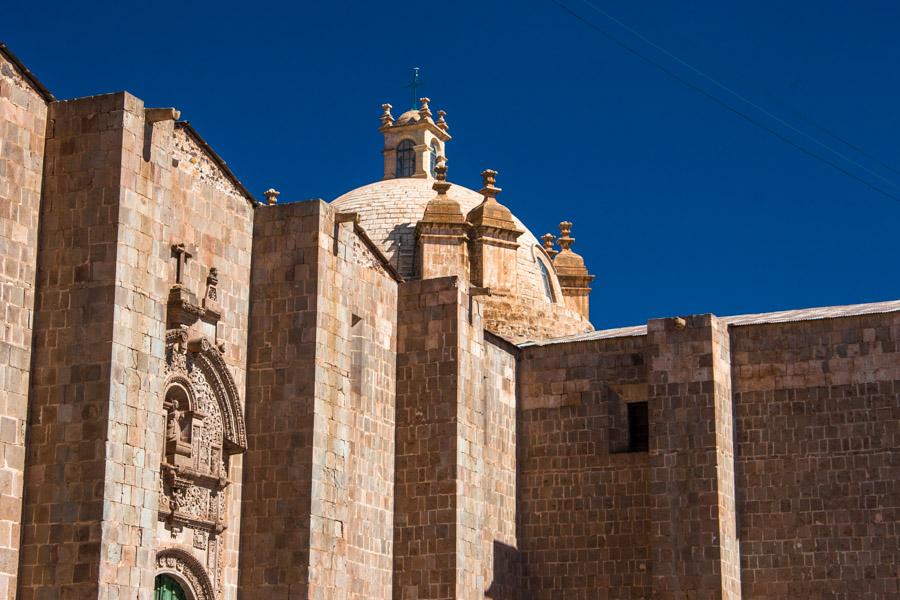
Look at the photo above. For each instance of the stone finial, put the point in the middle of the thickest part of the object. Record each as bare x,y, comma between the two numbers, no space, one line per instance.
565,241
489,178
440,176
425,112
572,273
271,195
441,122
490,213
548,244
387,119
440,169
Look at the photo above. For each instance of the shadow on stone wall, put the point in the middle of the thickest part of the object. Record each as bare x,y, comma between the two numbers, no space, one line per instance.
507,571
402,245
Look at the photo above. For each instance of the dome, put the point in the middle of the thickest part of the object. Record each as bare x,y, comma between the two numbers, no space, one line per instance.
389,210
410,116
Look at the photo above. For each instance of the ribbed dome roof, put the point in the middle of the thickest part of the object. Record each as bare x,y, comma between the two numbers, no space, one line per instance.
390,209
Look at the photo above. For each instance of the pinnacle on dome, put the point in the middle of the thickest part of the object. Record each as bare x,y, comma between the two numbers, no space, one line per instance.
494,241
442,208
424,111
548,239
387,119
568,262
442,233
573,275
491,213
440,175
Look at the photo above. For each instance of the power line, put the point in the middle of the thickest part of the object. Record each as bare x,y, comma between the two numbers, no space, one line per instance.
725,105
746,100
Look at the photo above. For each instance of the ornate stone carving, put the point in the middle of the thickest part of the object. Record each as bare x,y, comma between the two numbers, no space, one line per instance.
204,428
199,539
213,312
188,569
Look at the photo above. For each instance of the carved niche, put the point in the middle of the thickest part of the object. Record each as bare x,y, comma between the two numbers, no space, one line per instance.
204,428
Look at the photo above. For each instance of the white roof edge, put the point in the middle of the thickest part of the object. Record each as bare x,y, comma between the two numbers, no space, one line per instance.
814,314
782,316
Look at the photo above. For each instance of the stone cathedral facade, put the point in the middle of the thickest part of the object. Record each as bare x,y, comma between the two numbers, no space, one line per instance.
396,394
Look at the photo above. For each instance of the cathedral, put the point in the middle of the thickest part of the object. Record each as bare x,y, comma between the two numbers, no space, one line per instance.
397,393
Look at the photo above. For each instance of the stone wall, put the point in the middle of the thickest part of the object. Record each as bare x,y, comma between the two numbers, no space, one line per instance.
455,524
817,432
318,506
114,203
23,125
281,386
425,489
583,504
693,543
771,469
63,544
500,565
353,446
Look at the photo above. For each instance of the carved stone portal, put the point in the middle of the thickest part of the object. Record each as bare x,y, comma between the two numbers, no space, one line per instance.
204,428
187,569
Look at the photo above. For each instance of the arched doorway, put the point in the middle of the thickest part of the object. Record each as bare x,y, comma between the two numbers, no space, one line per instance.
168,588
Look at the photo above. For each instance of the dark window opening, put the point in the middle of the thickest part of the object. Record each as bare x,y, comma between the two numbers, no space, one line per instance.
638,427
406,159
545,277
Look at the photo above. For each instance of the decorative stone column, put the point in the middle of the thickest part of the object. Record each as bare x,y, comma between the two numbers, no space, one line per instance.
494,245
573,276
441,235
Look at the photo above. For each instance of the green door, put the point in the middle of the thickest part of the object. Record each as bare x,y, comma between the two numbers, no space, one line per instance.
168,589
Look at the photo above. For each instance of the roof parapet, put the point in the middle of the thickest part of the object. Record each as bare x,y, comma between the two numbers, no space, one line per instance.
30,77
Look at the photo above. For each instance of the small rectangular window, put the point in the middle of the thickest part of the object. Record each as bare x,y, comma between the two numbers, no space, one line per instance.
638,427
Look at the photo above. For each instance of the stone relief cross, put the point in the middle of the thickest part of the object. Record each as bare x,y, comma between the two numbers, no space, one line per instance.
182,253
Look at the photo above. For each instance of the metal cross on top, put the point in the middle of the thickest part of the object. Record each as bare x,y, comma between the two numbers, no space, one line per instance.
415,84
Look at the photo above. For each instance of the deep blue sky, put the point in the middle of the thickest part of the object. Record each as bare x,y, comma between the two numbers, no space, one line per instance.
679,205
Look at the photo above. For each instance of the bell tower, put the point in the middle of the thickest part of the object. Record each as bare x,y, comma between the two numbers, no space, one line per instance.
413,143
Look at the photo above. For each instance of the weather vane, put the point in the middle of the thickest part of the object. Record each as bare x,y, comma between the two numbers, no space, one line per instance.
414,85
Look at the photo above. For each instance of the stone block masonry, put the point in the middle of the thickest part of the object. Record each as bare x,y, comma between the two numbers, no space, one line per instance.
425,490
454,511
817,409
583,502
694,548
23,125
281,385
318,508
115,201
65,545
